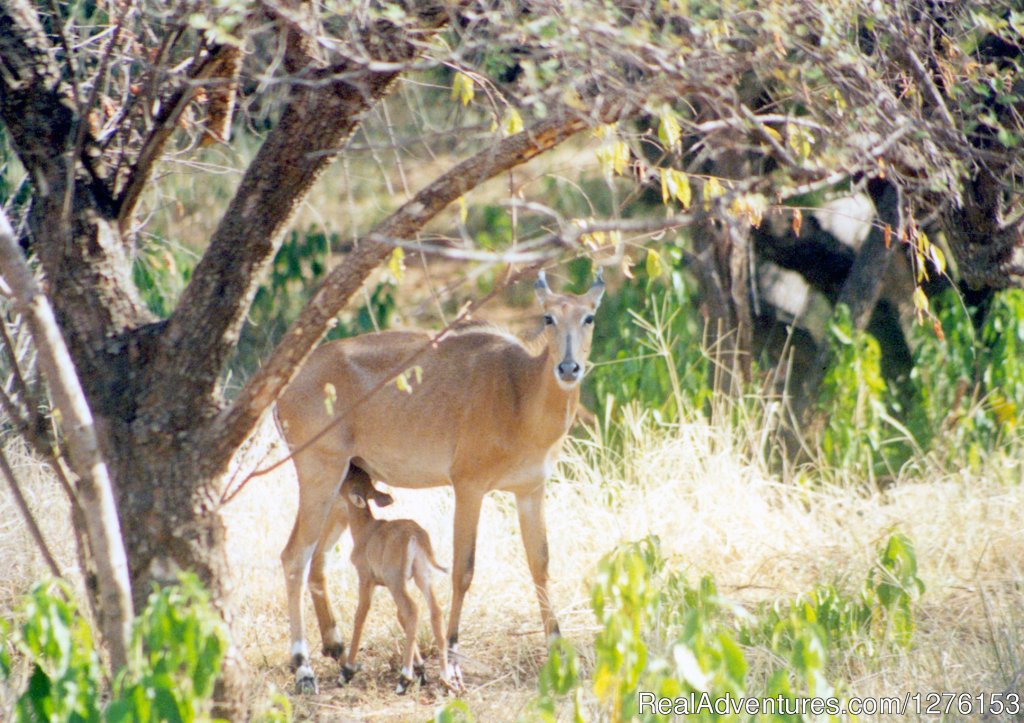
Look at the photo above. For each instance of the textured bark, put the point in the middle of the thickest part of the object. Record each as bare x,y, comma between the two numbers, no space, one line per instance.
989,252
95,494
722,263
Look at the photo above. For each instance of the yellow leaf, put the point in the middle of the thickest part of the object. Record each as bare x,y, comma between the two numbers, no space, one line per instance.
669,131
512,123
330,397
920,302
1006,410
938,258
463,209
683,192
627,262
463,88
396,264
402,382
773,133
712,189
613,154
654,265
666,194
571,97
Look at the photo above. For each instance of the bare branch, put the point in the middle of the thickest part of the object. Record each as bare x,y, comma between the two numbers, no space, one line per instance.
95,491
163,127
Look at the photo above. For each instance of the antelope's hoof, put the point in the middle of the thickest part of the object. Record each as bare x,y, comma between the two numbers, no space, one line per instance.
420,671
334,650
348,672
305,681
403,684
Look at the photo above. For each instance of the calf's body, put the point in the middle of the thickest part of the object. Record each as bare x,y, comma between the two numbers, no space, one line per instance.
389,553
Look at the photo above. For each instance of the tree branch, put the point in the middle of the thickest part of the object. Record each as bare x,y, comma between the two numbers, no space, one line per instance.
211,311
95,492
163,127
238,421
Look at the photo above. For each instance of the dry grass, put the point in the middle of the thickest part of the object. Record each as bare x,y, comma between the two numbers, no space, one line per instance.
715,513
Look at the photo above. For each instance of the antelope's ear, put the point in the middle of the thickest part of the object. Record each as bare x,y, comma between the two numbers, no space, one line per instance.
357,500
597,288
383,499
541,286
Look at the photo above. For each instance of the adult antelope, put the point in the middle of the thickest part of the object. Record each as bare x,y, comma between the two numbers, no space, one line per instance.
485,414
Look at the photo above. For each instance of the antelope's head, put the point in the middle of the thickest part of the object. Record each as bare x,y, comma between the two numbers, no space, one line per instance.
569,328
359,489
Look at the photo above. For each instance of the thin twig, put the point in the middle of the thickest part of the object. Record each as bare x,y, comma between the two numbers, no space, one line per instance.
30,520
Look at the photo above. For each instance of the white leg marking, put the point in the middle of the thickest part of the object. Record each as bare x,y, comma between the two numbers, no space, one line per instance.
299,647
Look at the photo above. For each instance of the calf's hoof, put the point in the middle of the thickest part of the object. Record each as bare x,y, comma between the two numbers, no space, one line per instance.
305,681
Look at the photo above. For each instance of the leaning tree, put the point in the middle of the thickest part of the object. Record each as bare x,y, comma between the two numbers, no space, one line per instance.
728,111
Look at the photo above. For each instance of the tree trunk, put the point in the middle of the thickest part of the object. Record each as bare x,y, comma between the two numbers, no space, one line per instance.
170,510
722,256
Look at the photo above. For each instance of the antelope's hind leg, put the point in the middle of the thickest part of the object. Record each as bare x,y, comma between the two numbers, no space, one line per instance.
330,634
318,487
422,576
408,616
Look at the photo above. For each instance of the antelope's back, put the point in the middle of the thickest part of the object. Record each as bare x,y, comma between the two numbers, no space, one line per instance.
457,400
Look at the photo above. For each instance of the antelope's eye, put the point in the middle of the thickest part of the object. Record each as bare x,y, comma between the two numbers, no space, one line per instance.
588,319
549,320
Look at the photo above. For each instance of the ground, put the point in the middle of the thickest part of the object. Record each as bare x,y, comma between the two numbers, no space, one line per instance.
761,539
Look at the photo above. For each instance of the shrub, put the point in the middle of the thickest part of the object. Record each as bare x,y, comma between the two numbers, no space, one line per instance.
178,644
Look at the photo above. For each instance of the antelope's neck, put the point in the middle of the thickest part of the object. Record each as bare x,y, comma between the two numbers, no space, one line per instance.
557,404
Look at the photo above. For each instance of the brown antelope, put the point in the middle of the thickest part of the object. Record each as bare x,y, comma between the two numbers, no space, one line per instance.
486,414
389,553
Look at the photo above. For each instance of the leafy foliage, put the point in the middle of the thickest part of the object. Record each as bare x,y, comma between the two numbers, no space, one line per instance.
298,268
662,635
852,398
968,383
177,647
647,344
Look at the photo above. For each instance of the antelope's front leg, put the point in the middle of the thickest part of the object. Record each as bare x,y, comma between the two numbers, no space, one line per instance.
535,539
467,518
